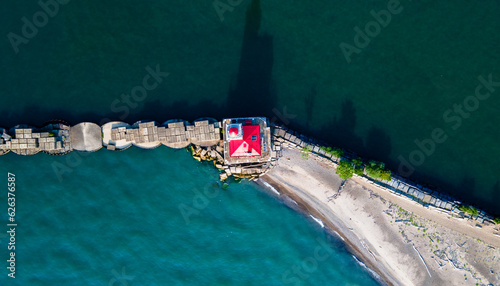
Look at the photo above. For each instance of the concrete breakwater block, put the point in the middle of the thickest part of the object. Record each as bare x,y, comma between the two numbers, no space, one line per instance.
173,134
4,138
114,135
86,136
146,134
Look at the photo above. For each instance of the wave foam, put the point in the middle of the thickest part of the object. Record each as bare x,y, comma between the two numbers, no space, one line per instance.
271,187
318,221
366,267
339,235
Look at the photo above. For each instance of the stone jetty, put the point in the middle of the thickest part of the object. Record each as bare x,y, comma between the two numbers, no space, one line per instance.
245,148
204,135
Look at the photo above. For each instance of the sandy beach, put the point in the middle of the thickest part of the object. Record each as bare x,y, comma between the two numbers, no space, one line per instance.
403,242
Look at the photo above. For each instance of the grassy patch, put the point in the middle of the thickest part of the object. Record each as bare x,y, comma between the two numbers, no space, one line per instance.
469,209
305,152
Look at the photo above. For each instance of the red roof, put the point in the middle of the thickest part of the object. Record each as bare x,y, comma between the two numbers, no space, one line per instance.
233,131
249,145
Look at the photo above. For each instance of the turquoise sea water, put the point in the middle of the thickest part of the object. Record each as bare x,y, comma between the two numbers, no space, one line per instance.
116,219
279,60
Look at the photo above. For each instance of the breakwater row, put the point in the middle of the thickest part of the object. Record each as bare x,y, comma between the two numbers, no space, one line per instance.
205,136
425,196
60,138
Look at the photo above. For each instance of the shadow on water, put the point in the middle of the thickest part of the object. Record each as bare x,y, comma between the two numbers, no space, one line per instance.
378,144
309,104
466,187
340,131
152,110
252,93
496,188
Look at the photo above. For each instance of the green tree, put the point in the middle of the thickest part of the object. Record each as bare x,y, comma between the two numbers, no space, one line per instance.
386,175
377,170
357,162
497,220
337,152
358,166
345,169
358,170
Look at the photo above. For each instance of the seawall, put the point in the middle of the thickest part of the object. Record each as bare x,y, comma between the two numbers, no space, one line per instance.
426,197
205,135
